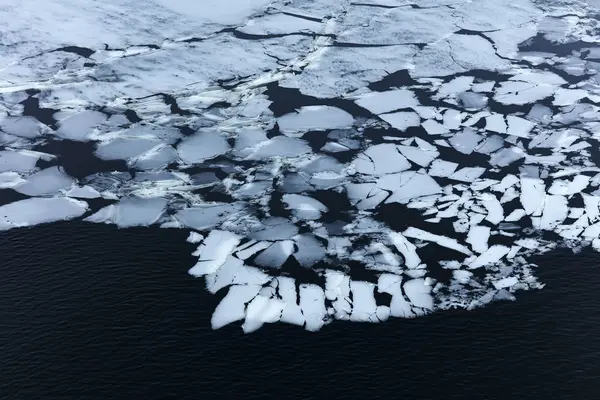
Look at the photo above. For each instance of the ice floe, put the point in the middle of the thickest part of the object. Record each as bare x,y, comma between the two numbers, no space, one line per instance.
355,151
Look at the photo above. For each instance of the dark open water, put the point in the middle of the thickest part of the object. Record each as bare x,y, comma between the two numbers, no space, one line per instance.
94,312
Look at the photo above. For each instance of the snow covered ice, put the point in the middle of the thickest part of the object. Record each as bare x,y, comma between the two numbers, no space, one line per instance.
316,152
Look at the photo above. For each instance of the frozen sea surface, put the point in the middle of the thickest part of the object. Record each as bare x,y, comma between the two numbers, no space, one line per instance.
331,160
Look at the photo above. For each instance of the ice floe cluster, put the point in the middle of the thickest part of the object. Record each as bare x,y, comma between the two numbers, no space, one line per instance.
333,160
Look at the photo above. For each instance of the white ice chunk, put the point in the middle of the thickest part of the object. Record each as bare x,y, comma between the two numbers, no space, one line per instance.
434,128
312,303
406,248
462,276
314,118
402,120
83,192
567,188
592,206
276,254
456,85
364,307
125,148
280,146
533,192
213,252
473,101
381,159
291,314
452,119
442,168
36,211
207,216
516,215
45,182
507,156
419,294
194,237
518,126
494,208
555,212
26,127
465,141
80,125
506,282
202,146
478,238
495,123
233,306
443,241
304,207
17,161
567,97
309,250
408,185
262,310
490,256
337,289
249,250
384,102
467,174
391,284
131,211
417,155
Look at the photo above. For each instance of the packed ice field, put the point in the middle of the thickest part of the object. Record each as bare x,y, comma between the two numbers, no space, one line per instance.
332,160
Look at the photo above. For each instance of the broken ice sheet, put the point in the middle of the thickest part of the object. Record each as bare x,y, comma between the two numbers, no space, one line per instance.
282,164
